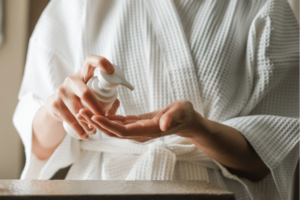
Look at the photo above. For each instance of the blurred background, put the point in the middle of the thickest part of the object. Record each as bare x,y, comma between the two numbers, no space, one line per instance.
17,21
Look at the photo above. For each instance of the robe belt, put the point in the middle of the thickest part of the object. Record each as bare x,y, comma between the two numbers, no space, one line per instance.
157,160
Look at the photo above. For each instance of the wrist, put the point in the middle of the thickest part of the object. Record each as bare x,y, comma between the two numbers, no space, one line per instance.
202,127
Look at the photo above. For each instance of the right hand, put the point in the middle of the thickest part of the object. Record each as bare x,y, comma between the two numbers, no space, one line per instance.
65,103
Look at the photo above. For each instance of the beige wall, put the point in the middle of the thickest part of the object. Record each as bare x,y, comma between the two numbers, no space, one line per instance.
20,19
12,58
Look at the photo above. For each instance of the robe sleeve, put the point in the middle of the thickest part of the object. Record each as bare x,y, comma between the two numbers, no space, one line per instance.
53,54
270,120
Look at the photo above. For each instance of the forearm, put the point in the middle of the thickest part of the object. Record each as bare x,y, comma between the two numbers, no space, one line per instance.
48,133
229,147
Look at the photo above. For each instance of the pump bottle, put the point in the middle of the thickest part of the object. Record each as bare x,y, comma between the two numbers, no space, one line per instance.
105,88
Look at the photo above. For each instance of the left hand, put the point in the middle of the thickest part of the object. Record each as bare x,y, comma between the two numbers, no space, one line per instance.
178,118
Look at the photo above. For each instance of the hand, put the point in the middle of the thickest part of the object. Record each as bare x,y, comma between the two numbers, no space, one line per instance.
222,143
178,118
65,104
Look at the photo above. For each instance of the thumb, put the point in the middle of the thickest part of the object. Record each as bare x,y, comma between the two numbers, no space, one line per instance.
173,115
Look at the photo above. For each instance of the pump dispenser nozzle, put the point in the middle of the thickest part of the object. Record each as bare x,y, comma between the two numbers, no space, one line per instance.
112,81
105,85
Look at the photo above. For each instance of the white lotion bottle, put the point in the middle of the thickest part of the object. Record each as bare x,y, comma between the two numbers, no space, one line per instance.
105,88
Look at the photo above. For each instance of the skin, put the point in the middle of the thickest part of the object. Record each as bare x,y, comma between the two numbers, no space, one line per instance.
64,105
223,143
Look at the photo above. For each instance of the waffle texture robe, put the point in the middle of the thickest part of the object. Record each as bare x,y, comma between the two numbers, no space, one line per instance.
236,61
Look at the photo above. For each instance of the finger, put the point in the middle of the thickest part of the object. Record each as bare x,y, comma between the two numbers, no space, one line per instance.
175,114
141,128
84,124
106,132
144,128
127,120
131,119
142,140
150,115
63,112
116,117
83,92
71,101
86,128
114,107
94,61
99,125
87,114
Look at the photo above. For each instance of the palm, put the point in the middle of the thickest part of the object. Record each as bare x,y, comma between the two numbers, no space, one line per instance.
177,118
144,126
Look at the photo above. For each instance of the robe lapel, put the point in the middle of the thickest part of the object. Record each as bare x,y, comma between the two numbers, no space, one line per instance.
176,53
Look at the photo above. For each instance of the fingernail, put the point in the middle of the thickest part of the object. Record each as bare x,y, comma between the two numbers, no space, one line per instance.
80,117
109,69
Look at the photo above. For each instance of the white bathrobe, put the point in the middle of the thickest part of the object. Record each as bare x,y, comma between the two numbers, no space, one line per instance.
236,61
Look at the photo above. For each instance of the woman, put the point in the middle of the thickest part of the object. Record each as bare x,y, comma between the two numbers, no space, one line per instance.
216,93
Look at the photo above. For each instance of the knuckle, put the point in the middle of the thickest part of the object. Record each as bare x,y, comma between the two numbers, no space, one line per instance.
69,80
55,105
73,97
61,91
56,109
89,57
56,96
85,93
